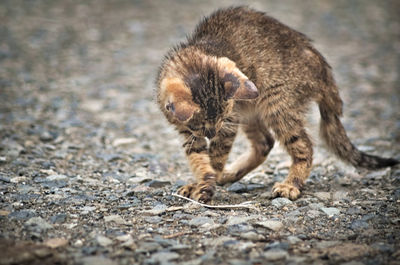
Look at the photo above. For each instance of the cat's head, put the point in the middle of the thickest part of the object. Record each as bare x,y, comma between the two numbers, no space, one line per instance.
202,95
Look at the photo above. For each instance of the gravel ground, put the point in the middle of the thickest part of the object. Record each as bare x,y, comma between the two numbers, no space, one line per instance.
88,163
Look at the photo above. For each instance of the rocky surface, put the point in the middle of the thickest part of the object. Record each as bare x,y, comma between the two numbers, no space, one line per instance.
88,164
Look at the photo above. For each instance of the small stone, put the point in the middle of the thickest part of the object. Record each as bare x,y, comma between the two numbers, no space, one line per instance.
18,179
293,240
56,177
378,174
200,221
46,136
354,211
324,196
123,141
315,206
313,214
103,240
359,225
158,209
326,244
330,211
97,260
38,222
157,183
237,187
148,247
253,236
277,245
340,196
348,251
58,219
238,262
56,242
87,209
114,218
22,215
4,213
234,220
164,256
275,254
254,186
271,224
280,202
78,243
153,219
123,238
4,178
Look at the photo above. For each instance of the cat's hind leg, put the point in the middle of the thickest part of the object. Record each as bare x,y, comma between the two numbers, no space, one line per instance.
261,142
299,146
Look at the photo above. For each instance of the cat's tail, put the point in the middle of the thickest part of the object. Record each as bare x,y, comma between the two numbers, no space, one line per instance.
332,131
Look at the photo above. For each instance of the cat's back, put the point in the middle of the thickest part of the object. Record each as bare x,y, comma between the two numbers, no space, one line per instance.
243,26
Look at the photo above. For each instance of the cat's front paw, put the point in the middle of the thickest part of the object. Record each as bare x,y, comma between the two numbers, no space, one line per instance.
201,192
285,190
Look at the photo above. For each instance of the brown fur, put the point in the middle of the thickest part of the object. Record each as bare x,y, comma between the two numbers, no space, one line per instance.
241,68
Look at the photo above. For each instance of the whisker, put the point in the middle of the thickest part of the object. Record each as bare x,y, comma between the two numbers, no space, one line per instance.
191,144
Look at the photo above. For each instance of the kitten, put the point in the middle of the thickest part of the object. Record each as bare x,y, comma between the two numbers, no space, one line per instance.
241,68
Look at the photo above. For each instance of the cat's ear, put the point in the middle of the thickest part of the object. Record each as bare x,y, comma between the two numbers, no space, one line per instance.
237,85
178,99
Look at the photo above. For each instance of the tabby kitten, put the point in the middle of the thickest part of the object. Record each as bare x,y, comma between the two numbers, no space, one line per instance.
242,68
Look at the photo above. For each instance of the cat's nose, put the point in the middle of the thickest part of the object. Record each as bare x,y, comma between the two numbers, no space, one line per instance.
210,133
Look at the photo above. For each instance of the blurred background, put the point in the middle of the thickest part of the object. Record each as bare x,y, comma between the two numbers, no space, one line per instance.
86,70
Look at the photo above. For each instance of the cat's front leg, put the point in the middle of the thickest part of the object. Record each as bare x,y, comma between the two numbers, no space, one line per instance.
200,164
220,146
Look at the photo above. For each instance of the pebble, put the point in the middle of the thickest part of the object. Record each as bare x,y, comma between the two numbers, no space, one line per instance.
275,254
200,221
324,196
330,211
313,214
293,240
153,219
161,257
103,240
277,245
56,242
340,196
359,225
78,243
158,209
315,206
56,177
157,183
271,224
253,236
46,136
237,187
4,178
148,247
97,260
38,222
378,174
114,218
22,215
280,202
234,220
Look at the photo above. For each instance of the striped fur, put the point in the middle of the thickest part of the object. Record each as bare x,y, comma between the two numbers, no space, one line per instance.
243,69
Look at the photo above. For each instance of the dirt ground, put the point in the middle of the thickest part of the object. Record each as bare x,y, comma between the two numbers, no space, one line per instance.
88,164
